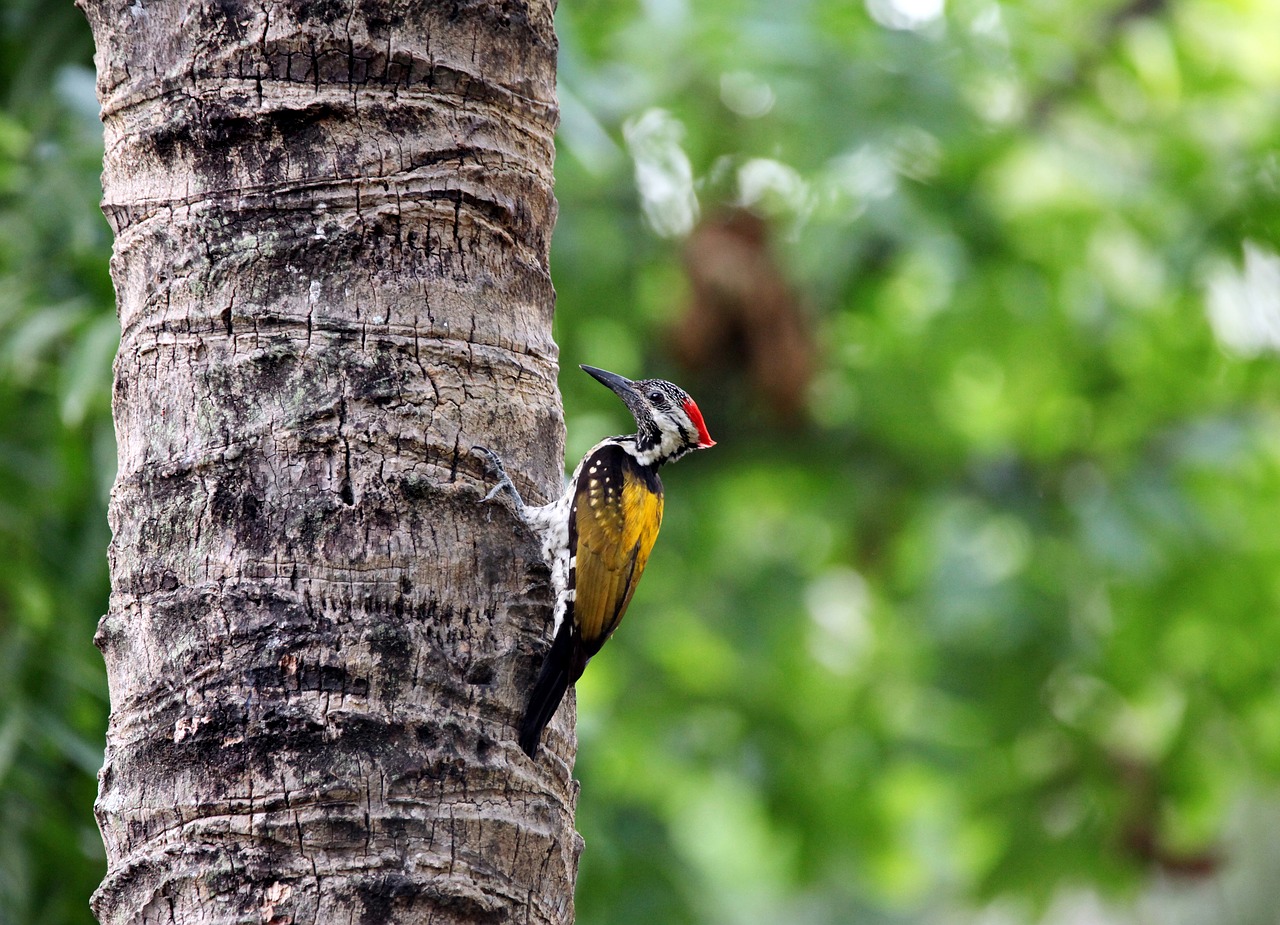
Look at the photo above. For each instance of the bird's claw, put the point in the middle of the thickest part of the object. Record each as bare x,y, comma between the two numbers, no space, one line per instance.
493,462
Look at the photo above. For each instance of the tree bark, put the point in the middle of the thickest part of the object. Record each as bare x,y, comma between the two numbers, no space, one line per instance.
332,224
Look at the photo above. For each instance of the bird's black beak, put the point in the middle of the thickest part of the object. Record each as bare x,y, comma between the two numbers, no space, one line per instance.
621,385
624,388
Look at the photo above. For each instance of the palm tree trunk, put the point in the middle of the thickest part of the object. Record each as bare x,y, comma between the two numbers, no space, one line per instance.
332,223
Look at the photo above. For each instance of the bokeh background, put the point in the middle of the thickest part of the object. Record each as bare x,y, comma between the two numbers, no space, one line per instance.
973,615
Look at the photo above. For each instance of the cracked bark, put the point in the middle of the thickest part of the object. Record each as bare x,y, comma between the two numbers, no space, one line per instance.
332,224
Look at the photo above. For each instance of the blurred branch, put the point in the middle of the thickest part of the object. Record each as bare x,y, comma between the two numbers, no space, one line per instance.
1052,97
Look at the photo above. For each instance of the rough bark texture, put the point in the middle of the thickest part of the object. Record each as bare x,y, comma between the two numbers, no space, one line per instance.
332,225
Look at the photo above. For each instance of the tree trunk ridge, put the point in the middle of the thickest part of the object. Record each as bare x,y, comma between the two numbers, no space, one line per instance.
331,261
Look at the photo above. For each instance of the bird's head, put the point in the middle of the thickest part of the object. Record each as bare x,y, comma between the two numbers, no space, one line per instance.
668,422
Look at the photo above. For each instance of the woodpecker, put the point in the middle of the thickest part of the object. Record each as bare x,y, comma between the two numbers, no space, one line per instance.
596,537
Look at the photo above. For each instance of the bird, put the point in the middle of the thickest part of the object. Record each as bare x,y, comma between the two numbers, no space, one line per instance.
597,536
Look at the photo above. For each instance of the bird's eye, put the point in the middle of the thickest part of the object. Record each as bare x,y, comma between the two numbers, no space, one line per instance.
655,397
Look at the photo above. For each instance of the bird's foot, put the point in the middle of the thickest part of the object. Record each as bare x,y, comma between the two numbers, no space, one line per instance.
493,463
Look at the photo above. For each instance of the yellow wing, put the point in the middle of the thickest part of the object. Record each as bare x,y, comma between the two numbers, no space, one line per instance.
618,510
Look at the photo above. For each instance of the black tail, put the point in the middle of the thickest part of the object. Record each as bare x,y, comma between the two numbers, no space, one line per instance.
553,681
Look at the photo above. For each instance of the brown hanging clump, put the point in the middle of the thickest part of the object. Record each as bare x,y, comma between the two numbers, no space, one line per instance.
744,315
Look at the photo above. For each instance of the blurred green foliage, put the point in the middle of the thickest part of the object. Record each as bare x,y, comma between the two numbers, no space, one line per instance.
1000,618
994,621
57,337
